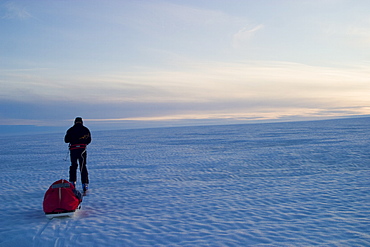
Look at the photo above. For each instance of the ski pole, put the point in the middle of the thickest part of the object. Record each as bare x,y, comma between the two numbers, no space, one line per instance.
65,159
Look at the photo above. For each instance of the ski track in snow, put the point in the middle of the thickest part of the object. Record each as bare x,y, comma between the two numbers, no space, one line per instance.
283,184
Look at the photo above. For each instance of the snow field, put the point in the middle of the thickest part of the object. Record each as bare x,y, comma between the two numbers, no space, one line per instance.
283,184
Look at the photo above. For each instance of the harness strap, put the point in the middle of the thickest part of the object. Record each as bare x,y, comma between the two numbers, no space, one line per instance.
77,146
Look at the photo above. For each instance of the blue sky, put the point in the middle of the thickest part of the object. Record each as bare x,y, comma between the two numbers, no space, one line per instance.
156,63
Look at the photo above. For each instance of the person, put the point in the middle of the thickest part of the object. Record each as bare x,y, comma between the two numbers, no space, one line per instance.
78,137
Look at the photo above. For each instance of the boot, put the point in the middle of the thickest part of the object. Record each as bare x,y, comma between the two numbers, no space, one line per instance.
85,187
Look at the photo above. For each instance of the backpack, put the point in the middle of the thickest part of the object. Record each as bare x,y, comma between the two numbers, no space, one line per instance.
61,197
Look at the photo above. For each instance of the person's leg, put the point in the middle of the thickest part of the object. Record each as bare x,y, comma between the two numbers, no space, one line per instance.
73,167
83,168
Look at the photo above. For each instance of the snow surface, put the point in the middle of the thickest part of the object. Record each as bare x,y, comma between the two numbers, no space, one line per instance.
282,184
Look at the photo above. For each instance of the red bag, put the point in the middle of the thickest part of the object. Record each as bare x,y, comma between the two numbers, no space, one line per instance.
61,197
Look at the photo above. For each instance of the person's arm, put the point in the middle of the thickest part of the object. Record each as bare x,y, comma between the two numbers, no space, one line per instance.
88,140
67,138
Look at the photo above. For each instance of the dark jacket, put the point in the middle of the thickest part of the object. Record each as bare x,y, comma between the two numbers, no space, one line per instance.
78,134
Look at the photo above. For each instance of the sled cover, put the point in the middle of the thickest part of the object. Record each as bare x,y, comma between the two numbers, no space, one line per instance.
61,197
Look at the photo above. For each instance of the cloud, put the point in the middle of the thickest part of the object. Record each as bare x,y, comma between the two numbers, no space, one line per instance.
195,82
183,28
200,90
244,35
175,16
12,10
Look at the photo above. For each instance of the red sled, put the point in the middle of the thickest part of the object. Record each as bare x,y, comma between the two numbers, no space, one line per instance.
61,199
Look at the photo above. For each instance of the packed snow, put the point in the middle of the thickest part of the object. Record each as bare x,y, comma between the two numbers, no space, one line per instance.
280,184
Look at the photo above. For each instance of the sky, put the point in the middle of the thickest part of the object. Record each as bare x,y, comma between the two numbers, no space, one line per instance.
145,63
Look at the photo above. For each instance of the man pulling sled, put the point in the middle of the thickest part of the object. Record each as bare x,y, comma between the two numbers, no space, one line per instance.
62,198
78,137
